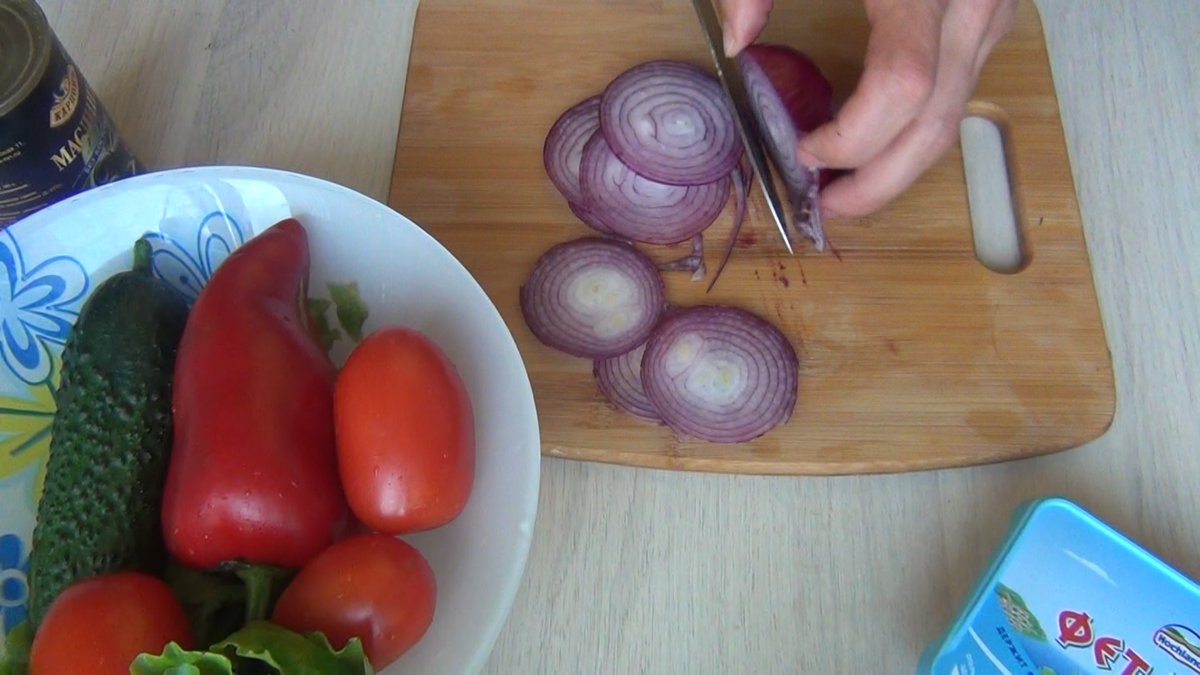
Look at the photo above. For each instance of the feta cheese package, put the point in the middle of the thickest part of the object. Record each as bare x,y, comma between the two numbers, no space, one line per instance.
1068,595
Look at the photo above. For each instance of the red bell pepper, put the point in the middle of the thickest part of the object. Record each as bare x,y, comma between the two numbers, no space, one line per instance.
253,476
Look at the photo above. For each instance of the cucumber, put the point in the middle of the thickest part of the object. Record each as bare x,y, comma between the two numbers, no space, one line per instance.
111,437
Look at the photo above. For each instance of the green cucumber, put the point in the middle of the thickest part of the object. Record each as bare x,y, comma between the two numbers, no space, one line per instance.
111,437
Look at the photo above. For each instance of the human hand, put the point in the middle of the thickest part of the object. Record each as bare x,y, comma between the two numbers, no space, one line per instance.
922,62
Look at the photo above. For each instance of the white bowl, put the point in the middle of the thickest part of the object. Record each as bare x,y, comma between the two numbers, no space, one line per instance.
53,259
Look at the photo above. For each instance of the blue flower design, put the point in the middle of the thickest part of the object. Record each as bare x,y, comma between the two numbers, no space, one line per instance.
189,268
14,582
37,308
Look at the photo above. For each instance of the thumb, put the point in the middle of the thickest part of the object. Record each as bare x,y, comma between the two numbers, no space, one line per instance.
742,21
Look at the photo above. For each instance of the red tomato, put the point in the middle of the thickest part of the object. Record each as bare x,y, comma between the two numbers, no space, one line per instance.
99,625
405,433
370,586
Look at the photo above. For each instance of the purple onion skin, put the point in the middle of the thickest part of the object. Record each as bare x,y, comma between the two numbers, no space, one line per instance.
670,122
678,361
556,318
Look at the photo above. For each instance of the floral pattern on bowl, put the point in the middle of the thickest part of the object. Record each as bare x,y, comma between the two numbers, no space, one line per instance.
41,295
370,266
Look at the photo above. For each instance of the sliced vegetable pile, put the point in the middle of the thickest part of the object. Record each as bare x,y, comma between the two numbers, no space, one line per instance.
652,160
221,499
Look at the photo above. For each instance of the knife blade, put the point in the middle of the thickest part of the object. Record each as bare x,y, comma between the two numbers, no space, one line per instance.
747,123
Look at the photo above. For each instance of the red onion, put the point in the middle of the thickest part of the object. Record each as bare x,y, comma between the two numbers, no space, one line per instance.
592,297
720,374
670,122
641,209
790,97
619,380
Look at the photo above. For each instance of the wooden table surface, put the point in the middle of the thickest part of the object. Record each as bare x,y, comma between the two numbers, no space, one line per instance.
639,571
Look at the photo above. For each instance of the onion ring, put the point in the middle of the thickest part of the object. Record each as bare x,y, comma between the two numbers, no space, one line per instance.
720,374
742,176
641,209
592,297
670,122
564,146
619,380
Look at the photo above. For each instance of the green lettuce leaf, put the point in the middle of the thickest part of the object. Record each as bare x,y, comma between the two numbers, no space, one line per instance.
176,661
259,648
327,333
16,649
349,307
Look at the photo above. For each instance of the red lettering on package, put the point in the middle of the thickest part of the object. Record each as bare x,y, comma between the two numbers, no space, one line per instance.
1137,665
1074,629
1107,650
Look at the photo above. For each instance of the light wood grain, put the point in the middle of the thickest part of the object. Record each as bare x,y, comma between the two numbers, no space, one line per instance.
642,571
260,82
913,355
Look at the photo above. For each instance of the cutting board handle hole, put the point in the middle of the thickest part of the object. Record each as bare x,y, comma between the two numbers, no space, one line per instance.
1000,242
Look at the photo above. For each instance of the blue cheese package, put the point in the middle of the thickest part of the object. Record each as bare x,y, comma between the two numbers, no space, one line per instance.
1068,595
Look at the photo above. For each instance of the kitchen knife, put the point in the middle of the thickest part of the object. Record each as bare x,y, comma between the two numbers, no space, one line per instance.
747,123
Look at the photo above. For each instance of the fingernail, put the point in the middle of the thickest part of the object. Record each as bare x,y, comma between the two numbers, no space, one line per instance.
730,44
808,159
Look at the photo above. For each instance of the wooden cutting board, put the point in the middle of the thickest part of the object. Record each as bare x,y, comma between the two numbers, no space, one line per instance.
914,355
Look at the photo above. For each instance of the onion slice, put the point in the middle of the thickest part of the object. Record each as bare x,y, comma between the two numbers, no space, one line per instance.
641,209
720,374
619,380
593,297
669,121
563,147
809,103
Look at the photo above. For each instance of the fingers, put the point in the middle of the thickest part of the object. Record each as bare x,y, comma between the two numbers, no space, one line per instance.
1001,22
934,129
873,185
742,21
897,81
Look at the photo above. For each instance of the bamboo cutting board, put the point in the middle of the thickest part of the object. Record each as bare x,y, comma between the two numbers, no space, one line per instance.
914,355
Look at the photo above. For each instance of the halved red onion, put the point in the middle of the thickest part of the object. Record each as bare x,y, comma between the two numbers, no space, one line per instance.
720,373
563,147
641,209
592,297
619,380
790,97
670,122
742,176
692,262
